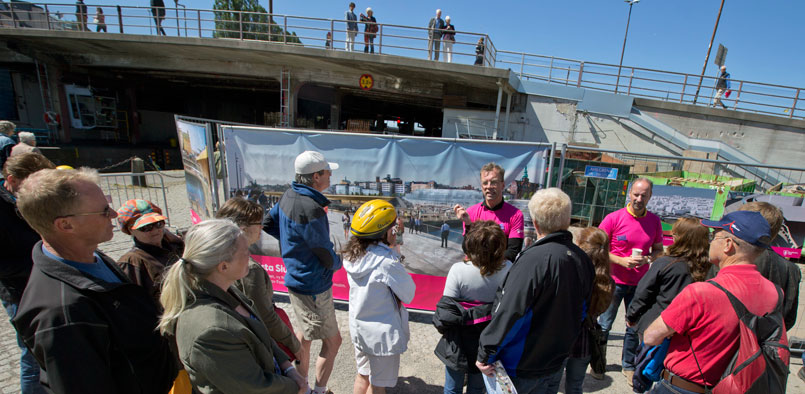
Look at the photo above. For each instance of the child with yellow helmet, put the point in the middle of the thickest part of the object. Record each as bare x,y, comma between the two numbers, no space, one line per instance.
378,288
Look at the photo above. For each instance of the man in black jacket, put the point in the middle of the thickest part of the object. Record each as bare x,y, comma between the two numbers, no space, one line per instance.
17,239
538,311
89,328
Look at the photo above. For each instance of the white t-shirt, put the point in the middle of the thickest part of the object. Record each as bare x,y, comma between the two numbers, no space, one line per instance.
464,281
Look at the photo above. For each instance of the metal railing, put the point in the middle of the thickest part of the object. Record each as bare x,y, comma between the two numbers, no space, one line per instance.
123,186
397,40
746,96
408,41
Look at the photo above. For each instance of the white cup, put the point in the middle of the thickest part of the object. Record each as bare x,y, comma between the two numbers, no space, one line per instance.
637,252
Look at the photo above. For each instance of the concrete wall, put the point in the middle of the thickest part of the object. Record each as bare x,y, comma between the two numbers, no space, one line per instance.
770,140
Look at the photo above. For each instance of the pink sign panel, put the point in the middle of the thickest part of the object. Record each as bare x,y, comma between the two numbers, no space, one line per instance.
428,288
790,253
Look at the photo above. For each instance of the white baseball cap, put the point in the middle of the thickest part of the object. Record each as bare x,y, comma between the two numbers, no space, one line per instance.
310,161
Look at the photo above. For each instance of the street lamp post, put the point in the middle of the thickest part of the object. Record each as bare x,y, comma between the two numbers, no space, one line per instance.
620,65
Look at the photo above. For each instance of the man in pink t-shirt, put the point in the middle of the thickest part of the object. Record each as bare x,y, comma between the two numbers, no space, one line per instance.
629,229
495,209
703,315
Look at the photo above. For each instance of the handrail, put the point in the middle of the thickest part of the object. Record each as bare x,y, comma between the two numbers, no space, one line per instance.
411,41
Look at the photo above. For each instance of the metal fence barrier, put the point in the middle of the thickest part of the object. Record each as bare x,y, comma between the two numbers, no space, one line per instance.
121,187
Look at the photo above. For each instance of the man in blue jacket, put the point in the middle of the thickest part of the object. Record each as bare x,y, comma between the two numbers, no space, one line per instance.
300,223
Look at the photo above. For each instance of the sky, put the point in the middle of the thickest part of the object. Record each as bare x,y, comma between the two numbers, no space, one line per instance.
764,38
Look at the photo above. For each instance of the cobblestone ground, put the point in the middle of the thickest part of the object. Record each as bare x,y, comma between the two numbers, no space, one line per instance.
420,371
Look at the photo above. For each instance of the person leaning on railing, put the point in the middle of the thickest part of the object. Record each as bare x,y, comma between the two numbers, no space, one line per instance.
479,52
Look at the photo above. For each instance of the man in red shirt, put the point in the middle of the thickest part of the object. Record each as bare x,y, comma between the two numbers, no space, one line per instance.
494,208
702,313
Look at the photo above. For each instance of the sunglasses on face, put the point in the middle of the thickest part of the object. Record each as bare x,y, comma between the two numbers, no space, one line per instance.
152,226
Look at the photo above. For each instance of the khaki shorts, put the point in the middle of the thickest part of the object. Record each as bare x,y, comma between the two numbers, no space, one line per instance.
315,314
381,370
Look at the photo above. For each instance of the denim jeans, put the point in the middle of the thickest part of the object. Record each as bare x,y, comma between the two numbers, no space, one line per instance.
663,387
29,369
454,382
575,370
631,342
544,385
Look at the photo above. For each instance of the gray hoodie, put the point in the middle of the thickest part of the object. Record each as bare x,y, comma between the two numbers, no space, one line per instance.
378,286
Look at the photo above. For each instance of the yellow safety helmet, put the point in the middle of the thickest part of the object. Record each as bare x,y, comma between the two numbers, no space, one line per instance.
64,167
372,219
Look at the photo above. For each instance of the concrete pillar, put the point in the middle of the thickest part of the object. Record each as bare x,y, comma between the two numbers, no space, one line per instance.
293,94
506,122
497,110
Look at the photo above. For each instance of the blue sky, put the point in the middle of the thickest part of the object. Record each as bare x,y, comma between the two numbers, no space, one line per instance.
763,37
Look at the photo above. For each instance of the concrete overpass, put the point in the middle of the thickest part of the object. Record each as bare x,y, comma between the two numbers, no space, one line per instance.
244,81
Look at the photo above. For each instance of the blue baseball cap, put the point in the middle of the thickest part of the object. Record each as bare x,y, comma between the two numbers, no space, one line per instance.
749,226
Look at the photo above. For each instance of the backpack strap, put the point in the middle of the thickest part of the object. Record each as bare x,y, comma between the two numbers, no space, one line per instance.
740,308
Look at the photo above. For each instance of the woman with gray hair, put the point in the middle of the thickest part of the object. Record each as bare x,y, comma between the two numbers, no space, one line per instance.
27,143
221,341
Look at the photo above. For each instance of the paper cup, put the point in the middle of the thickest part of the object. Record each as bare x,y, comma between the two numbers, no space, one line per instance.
637,252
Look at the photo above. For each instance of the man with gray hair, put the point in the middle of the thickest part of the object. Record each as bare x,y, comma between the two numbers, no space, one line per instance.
300,223
701,320
6,143
435,31
27,144
635,240
90,329
539,309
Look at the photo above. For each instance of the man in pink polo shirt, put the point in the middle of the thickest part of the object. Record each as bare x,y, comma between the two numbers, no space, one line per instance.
494,208
635,239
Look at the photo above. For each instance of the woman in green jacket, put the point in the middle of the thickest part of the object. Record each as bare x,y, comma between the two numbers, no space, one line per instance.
222,343
248,215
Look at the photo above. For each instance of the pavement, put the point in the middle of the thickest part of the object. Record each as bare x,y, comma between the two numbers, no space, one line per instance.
420,371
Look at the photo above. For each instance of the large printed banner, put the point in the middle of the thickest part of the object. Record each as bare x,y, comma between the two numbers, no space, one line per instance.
422,178
195,150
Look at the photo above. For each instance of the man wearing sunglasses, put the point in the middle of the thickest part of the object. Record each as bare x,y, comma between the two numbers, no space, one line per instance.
90,329
702,313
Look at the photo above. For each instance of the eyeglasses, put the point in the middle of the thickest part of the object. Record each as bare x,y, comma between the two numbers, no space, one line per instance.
256,224
712,236
147,228
107,211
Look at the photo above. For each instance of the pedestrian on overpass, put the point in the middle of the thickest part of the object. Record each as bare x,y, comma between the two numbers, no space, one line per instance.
352,27
158,11
435,30
722,85
369,31
449,38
